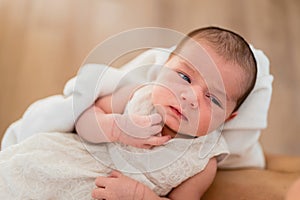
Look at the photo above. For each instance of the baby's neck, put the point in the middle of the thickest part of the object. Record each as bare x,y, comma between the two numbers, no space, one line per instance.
167,131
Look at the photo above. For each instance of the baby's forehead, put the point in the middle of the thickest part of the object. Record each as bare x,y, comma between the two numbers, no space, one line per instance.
203,57
197,61
196,54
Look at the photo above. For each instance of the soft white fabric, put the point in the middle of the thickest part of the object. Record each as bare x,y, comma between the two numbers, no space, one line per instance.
59,166
58,113
62,166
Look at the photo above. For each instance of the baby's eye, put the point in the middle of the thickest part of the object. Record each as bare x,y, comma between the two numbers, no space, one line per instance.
184,77
214,100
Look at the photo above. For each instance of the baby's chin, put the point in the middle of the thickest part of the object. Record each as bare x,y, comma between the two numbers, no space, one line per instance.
175,134
169,130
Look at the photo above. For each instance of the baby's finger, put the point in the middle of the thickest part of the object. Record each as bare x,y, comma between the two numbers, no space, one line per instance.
146,120
101,181
100,193
146,146
141,121
155,129
115,174
155,118
147,132
157,140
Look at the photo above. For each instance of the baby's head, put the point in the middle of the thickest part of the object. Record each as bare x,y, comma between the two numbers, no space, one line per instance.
204,81
232,48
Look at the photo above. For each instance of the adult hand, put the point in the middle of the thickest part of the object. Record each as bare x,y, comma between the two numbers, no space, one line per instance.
118,186
139,131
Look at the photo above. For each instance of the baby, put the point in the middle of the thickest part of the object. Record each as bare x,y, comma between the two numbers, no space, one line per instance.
201,86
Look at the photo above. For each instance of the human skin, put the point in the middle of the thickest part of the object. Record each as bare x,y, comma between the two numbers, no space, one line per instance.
182,112
187,100
195,93
294,191
118,186
98,123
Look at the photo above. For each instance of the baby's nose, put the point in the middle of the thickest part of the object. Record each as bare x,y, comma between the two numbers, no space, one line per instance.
190,99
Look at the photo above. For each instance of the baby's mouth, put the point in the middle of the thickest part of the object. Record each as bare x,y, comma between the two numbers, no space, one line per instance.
178,113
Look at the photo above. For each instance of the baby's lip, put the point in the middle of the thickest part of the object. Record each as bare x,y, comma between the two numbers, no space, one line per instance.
179,112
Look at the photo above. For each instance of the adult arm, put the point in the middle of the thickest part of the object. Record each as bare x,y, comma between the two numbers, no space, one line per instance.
119,186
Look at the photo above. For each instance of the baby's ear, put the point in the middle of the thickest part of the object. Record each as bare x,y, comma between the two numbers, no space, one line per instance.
233,115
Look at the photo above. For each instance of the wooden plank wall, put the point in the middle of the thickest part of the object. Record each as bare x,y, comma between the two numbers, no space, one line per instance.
43,43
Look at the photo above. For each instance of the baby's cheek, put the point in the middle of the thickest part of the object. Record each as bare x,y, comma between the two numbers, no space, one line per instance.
156,95
206,121
217,119
161,95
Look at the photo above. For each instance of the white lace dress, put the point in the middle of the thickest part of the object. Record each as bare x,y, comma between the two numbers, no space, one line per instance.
62,166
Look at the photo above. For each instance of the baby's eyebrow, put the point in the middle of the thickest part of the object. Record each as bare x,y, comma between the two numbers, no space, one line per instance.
188,67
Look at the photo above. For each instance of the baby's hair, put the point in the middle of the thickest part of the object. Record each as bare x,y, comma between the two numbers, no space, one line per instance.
233,48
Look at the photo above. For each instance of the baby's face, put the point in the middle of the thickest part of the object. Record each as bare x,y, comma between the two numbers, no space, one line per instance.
196,93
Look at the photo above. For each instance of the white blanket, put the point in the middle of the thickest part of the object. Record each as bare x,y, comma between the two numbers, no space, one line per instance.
58,113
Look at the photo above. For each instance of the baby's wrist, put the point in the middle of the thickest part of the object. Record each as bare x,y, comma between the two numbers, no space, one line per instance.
139,193
115,132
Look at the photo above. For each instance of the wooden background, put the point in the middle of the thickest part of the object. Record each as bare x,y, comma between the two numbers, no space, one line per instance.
44,42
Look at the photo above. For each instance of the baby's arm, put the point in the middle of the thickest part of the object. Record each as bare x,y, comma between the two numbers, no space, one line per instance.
104,122
195,187
119,186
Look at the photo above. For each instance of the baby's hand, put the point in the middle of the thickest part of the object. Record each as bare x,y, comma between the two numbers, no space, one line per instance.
139,126
139,131
118,186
